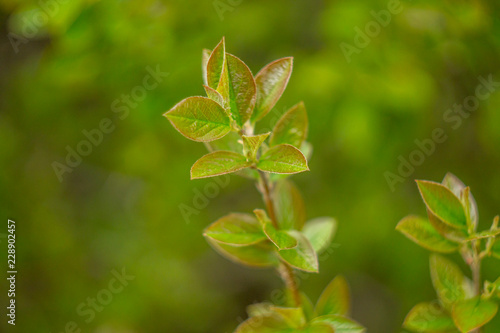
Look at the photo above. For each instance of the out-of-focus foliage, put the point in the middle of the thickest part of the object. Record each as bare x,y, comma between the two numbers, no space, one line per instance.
129,203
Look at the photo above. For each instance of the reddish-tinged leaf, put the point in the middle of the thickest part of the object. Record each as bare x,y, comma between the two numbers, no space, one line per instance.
291,128
271,82
237,87
218,163
199,119
215,64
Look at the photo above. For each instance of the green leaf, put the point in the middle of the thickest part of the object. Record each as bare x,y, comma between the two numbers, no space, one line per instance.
283,159
230,142
301,257
218,163
443,203
428,317
205,55
252,143
289,205
214,96
320,232
307,306
307,149
447,231
448,280
340,324
280,238
257,255
317,328
215,64
236,229
237,87
271,323
423,233
473,313
199,119
335,299
260,309
457,187
293,316
271,83
291,128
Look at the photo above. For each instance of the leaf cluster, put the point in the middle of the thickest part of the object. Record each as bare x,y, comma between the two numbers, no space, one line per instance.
236,100
328,315
280,236
451,226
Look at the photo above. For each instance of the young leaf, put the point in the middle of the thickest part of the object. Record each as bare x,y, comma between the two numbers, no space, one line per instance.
457,187
236,229
447,231
271,323
423,233
237,87
230,142
473,313
218,163
443,203
280,238
205,55
255,255
199,119
448,280
271,82
289,205
335,299
301,257
291,128
215,64
320,232
340,324
283,159
260,309
307,306
251,145
293,316
307,149
317,328
428,317
214,96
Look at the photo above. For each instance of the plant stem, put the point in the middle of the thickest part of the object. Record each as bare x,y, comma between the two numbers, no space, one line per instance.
288,277
286,272
266,194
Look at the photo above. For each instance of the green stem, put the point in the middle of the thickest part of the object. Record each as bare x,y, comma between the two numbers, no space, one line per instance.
286,272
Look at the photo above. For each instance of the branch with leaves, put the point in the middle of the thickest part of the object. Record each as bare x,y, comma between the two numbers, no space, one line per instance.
463,305
277,236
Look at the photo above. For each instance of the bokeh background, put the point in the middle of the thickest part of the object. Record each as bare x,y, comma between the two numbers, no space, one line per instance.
119,208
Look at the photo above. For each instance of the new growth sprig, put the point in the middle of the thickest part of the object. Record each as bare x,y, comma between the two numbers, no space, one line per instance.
463,304
277,236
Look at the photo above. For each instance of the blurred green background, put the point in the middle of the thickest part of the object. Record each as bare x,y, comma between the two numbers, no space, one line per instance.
64,64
